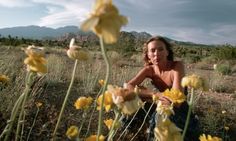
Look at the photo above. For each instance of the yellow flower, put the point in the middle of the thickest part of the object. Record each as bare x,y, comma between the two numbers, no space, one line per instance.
34,52
164,110
226,128
83,102
108,102
93,138
105,21
35,61
4,79
223,112
193,81
108,123
101,82
203,137
126,100
39,104
175,95
72,132
77,52
166,130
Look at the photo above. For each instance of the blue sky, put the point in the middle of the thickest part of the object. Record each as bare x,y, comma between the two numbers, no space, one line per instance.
199,21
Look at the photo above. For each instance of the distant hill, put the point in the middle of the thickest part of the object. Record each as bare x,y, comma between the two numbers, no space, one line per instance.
67,32
37,32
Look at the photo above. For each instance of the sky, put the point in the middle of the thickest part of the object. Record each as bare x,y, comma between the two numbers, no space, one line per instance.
198,21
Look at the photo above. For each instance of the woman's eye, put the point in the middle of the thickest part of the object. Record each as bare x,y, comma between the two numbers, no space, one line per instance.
160,49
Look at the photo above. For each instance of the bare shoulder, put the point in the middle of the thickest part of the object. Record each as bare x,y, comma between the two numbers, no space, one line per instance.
147,70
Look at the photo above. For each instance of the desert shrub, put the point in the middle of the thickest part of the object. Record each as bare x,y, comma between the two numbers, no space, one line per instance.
209,59
224,53
233,68
137,58
224,69
220,84
113,56
191,58
202,65
210,123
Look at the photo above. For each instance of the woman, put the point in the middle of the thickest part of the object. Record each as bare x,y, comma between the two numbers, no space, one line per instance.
165,73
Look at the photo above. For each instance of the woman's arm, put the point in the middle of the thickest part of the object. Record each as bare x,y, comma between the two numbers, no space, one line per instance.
144,93
178,75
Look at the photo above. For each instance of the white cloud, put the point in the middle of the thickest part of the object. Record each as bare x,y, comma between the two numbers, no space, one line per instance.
64,12
15,3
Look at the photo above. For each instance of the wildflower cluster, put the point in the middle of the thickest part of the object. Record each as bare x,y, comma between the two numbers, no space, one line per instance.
165,129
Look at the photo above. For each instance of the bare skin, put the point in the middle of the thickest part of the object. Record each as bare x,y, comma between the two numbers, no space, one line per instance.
165,74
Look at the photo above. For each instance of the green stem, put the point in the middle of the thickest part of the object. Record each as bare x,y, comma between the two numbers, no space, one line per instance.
85,114
91,116
15,109
189,113
104,87
112,131
19,103
22,127
128,125
143,121
31,128
20,121
65,100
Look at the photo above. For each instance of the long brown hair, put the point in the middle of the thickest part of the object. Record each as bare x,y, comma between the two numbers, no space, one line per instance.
170,56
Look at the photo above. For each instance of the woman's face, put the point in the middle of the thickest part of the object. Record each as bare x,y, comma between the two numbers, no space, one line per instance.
157,52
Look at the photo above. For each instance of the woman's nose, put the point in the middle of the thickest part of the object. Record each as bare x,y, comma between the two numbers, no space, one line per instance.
156,52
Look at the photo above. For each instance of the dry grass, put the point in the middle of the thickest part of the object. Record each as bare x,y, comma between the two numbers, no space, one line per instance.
51,90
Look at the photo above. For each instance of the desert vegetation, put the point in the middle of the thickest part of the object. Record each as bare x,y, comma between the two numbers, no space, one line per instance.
215,108
68,88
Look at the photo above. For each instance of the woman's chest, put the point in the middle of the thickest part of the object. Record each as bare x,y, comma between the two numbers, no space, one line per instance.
163,80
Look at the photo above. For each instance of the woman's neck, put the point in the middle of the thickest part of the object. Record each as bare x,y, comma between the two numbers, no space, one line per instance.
164,65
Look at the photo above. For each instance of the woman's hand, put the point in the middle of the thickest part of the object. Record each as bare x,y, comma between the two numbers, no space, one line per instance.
165,100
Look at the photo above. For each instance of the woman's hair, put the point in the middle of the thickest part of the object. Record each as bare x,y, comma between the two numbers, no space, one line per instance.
170,56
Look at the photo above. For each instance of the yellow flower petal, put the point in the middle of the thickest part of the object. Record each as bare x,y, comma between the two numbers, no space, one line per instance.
4,79
203,137
94,137
36,61
72,132
39,104
91,22
108,102
175,95
76,52
194,81
83,102
105,21
108,123
101,82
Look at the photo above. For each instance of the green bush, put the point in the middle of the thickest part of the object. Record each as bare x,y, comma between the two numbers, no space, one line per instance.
224,69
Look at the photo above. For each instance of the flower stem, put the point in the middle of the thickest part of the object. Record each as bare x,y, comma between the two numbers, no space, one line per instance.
143,121
189,113
65,100
112,131
128,125
19,104
91,116
31,128
104,87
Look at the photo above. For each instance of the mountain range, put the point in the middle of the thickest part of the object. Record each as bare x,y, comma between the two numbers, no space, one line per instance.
37,32
62,33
